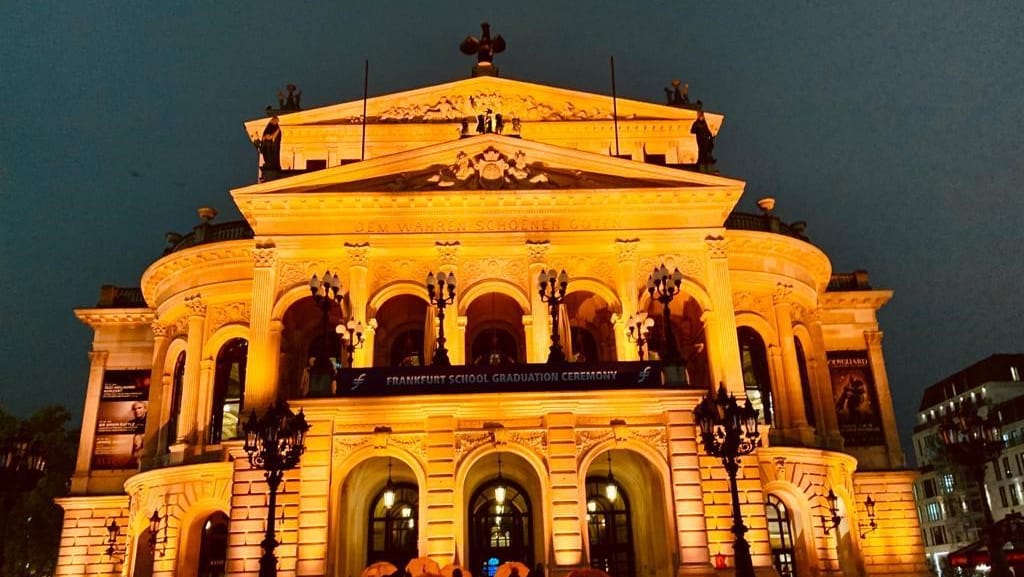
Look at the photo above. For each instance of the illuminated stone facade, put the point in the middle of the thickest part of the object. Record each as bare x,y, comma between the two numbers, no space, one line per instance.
227,324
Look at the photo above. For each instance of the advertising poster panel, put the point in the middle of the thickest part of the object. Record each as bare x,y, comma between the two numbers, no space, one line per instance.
121,419
855,398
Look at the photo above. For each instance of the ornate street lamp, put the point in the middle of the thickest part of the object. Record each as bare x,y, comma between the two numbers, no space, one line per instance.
389,490
869,507
500,491
637,328
664,287
729,431
113,532
352,335
831,521
274,443
552,292
436,297
326,293
971,441
22,464
611,490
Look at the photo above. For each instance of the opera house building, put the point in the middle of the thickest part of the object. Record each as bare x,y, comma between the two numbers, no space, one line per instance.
496,305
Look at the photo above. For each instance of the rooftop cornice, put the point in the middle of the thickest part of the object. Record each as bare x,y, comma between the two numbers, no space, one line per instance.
861,299
97,317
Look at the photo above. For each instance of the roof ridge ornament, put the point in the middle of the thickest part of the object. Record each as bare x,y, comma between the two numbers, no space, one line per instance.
485,48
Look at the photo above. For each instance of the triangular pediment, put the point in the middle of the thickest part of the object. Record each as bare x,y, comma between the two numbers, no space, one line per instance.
489,162
462,99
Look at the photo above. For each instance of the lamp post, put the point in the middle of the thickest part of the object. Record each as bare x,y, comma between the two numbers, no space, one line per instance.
637,329
552,291
664,286
729,431
436,297
22,464
971,441
326,293
352,336
274,443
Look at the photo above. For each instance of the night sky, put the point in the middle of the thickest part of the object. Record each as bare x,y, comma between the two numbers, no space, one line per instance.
893,128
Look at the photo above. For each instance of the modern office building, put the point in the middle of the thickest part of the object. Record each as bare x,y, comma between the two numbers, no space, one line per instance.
490,182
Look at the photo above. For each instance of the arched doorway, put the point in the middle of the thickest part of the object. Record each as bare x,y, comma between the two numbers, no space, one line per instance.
592,334
610,528
756,377
310,349
687,333
213,546
228,391
780,536
494,331
393,531
402,332
500,525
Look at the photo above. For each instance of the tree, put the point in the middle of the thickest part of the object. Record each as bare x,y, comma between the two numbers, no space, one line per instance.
35,521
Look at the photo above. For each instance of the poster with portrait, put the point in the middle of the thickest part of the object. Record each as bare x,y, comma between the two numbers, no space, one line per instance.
121,419
855,398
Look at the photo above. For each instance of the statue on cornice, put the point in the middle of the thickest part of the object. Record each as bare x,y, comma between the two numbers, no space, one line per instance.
705,142
485,48
269,145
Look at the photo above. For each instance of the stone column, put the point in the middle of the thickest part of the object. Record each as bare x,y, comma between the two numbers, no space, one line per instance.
566,525
260,379
458,356
887,412
724,347
369,332
205,407
790,390
780,425
190,400
822,384
626,287
97,366
358,297
541,334
438,539
159,393
528,332
274,330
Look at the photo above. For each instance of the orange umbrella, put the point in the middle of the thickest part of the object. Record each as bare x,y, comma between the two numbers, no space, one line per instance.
379,569
447,570
587,572
505,569
423,566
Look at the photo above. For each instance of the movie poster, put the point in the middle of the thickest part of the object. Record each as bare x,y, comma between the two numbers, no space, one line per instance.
121,419
855,398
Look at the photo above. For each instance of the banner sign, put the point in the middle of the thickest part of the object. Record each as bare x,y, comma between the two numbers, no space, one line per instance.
388,381
855,398
121,419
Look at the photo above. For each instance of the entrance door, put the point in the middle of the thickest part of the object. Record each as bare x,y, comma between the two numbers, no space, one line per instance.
609,525
500,528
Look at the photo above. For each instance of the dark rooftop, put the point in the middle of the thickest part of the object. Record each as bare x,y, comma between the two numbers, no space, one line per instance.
995,368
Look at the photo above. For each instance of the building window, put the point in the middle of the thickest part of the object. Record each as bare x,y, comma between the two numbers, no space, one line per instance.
177,388
938,535
756,378
1006,467
228,390
929,488
780,536
1014,373
933,511
394,531
1015,495
213,547
805,382
948,484
499,532
1002,497
609,527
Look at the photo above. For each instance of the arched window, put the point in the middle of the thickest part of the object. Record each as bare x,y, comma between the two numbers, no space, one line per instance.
177,388
780,536
213,546
228,390
499,531
394,531
494,347
756,379
805,382
609,526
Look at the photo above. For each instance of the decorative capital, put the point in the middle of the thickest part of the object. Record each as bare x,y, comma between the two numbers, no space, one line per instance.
782,293
537,251
447,252
264,256
498,433
160,330
716,246
625,249
196,306
358,253
873,338
381,437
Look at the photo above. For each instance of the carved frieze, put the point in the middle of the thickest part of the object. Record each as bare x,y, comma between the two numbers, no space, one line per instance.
222,314
457,107
343,446
782,294
508,269
466,442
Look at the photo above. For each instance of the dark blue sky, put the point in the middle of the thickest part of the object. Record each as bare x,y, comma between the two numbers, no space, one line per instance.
893,128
